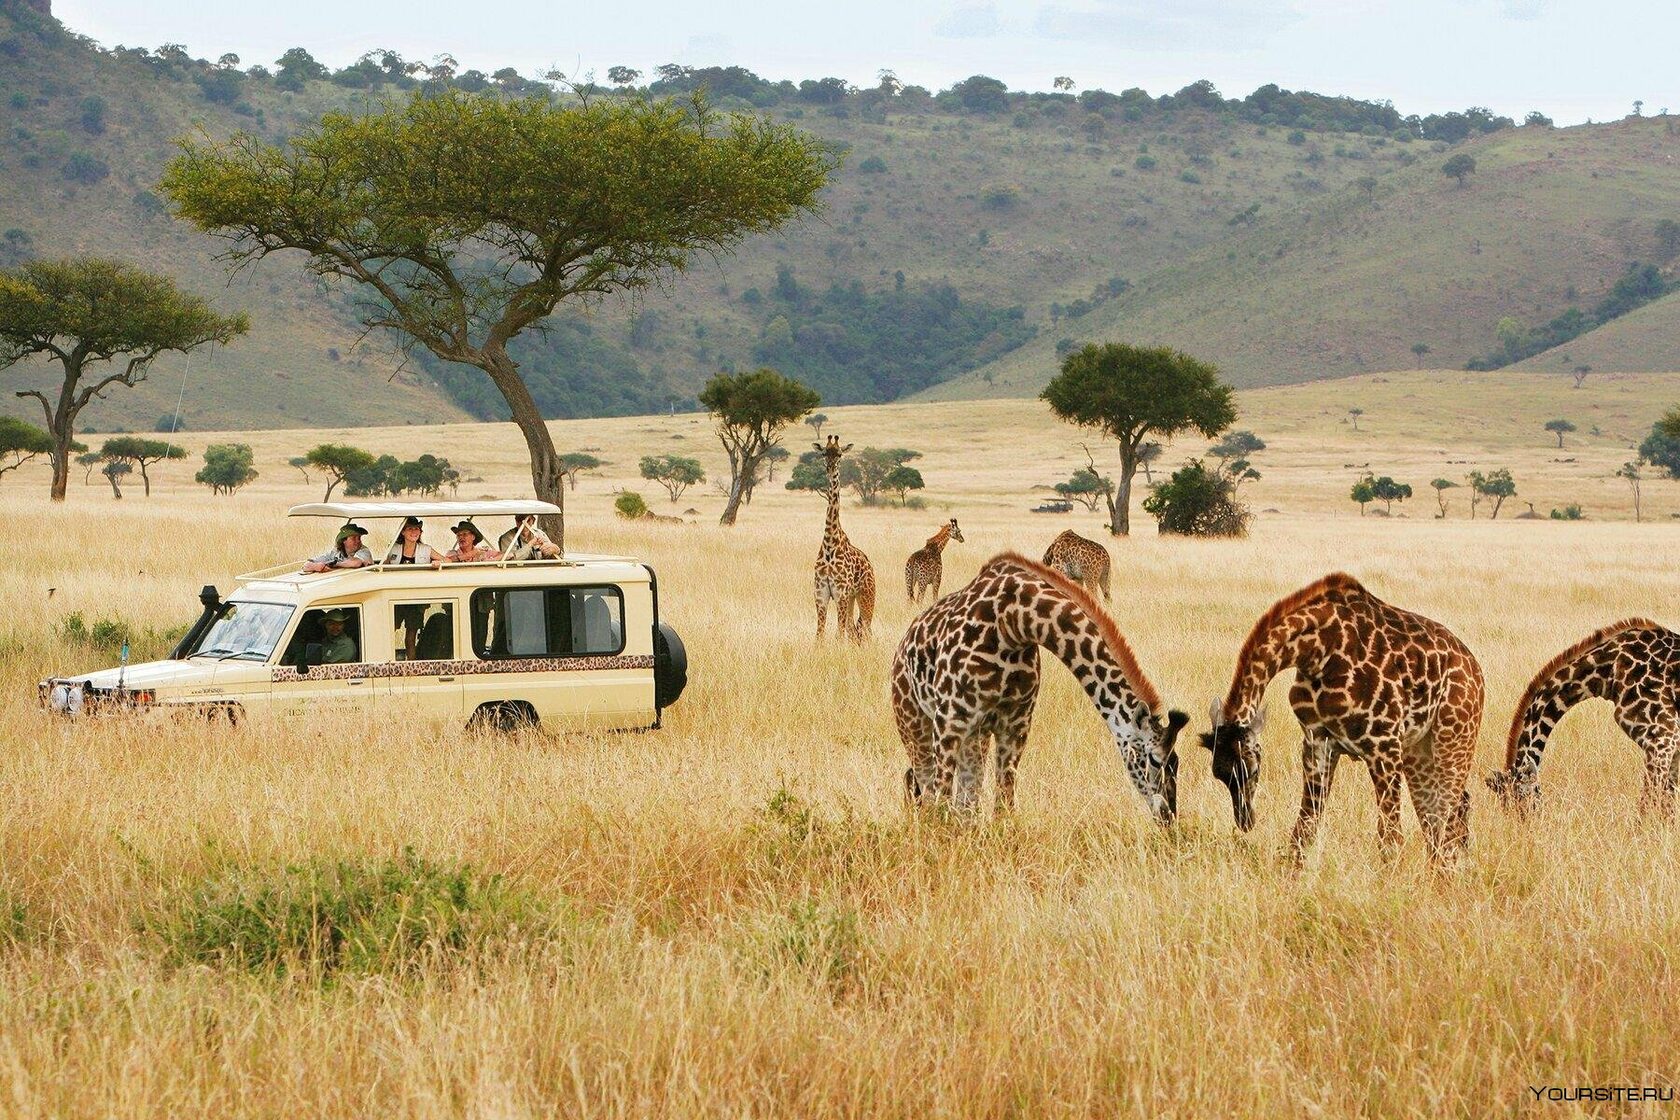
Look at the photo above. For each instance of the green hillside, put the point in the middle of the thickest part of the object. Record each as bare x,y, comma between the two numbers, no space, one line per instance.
968,234
1550,219
1646,339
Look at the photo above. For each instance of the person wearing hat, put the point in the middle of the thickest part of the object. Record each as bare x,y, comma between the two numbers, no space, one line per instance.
408,548
469,545
337,647
347,551
527,542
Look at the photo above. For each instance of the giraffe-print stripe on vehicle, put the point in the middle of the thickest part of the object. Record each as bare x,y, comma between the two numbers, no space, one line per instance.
285,674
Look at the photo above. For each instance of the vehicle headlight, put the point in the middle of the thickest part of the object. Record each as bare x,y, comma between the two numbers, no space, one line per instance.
66,698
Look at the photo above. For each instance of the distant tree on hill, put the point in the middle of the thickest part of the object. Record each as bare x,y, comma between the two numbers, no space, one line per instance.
301,462
1459,167
676,473
1237,445
114,474
867,471
1130,393
338,461
751,409
816,420
459,256
1364,492
1537,119
1580,375
1497,485
1419,349
1662,447
574,463
901,480
227,467
141,452
296,67
79,313
1387,491
1442,485
1354,414
21,442
1062,83
1561,428
623,75
1148,454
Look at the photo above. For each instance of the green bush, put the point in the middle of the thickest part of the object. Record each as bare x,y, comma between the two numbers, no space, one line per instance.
873,165
1197,502
83,167
630,504
1144,163
347,916
1569,512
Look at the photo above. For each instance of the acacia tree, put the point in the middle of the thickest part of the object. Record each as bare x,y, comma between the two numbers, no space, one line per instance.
1497,485
21,442
114,473
1561,428
338,461
1131,393
141,453
675,473
88,460
1631,474
751,410
80,313
463,220
574,463
1442,485
227,467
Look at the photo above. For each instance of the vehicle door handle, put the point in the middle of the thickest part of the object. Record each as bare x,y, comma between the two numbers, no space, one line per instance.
357,680
450,678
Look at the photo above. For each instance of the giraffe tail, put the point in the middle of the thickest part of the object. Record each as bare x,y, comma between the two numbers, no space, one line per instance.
866,609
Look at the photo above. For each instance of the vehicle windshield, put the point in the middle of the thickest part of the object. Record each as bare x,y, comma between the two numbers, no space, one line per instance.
244,632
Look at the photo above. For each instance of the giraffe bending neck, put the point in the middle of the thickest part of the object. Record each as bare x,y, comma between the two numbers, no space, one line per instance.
1088,643
1584,671
939,540
1287,635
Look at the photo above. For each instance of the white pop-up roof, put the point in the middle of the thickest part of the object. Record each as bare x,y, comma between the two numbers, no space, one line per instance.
350,511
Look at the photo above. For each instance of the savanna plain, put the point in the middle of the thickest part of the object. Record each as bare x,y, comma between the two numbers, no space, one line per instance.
357,914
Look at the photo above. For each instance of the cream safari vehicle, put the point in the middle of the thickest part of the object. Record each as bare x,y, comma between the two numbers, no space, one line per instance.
575,641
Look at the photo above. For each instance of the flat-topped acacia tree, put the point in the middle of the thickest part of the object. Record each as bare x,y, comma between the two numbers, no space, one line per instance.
464,219
104,322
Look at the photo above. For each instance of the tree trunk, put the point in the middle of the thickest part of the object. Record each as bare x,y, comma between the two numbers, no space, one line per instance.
546,480
62,436
116,491
740,467
145,478
1120,521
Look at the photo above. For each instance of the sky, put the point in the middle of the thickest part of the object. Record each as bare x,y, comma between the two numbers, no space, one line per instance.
1573,60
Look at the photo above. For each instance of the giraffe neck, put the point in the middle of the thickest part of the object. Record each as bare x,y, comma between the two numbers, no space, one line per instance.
833,535
936,543
1295,638
1588,676
1070,634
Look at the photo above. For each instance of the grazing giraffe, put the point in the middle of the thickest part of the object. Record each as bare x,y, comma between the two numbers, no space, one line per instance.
924,570
1084,562
1393,689
844,575
1634,664
967,670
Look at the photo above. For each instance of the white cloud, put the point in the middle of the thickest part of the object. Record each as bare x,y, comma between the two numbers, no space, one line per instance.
970,21
1187,25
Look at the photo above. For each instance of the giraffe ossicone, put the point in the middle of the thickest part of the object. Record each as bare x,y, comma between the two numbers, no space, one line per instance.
966,674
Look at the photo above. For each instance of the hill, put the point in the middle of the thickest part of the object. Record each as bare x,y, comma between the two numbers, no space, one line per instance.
968,235
1647,338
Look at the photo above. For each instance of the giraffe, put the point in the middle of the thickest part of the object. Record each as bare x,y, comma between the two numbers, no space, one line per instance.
844,575
967,670
924,569
1085,562
1391,688
1635,664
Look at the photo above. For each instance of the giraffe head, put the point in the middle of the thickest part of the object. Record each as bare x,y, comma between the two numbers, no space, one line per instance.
1236,760
1514,793
1151,757
956,533
831,449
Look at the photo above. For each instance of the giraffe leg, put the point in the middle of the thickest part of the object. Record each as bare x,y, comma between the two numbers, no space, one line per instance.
822,616
1318,765
1662,767
1443,810
1010,741
1385,782
966,757
921,780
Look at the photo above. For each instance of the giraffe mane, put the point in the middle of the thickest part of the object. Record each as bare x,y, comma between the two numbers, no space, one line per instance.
1567,657
1106,626
1278,611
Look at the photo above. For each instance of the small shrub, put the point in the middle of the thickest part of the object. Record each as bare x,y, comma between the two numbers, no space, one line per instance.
83,167
1001,196
631,505
1189,176
348,916
1197,502
873,165
1571,512
1144,163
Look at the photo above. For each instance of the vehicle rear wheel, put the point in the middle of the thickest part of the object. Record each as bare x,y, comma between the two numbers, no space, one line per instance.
503,717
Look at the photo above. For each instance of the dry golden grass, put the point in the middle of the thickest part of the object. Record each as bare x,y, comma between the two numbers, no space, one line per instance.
746,922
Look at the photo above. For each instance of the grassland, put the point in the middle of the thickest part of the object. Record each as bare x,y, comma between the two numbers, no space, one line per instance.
736,916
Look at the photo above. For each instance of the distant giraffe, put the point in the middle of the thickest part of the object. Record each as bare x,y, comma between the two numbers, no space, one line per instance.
1084,562
924,570
1634,664
844,575
1391,688
967,670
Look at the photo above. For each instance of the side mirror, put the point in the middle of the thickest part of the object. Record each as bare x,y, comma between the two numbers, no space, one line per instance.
312,656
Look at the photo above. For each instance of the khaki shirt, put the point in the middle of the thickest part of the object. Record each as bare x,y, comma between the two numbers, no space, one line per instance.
335,556
338,651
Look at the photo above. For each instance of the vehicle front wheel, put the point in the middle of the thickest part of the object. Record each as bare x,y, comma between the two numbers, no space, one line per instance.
503,717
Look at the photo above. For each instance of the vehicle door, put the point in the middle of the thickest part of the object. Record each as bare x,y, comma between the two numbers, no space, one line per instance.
424,675
341,678
555,647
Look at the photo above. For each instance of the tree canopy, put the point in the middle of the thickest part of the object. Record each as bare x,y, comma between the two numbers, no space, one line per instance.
20,442
338,461
465,219
84,312
1661,448
227,467
142,453
675,473
1132,392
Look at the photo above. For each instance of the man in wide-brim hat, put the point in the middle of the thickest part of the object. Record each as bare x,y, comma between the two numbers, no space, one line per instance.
469,544
337,647
347,551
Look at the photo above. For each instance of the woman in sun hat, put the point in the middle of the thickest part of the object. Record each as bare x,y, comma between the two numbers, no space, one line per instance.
408,548
469,545
347,551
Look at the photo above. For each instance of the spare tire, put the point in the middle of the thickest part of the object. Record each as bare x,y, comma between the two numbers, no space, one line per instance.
670,666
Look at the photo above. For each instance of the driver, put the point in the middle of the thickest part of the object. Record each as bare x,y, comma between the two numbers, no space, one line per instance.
337,647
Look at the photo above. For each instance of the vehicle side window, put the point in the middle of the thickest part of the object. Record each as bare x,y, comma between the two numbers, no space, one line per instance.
423,631
547,621
342,647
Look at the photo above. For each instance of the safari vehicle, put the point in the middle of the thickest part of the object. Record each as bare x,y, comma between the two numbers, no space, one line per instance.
503,643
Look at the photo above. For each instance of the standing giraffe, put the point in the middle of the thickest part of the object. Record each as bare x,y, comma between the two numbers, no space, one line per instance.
844,575
1634,664
925,569
1393,689
1084,562
967,670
